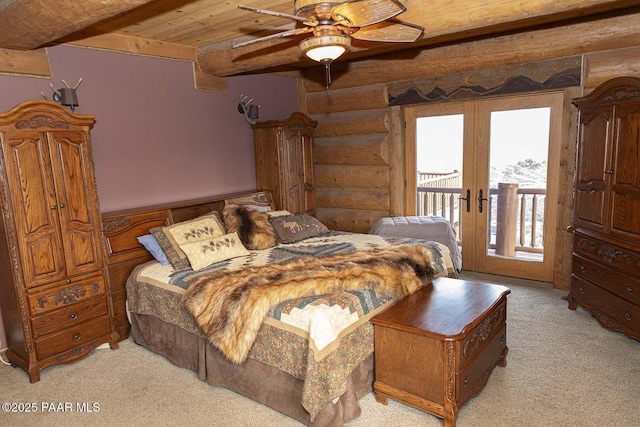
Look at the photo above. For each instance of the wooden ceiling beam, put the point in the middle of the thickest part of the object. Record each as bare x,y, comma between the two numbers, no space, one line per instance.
31,24
444,22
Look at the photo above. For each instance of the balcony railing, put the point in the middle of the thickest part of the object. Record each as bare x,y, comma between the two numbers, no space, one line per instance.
519,210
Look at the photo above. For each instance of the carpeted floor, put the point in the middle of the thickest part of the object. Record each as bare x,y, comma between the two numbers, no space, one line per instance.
563,369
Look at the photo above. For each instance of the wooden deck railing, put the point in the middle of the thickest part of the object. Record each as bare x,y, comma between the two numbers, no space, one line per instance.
520,210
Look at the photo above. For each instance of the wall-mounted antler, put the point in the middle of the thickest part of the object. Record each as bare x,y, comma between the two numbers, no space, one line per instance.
75,87
250,111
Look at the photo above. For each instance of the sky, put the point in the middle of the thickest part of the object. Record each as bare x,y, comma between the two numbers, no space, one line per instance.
515,135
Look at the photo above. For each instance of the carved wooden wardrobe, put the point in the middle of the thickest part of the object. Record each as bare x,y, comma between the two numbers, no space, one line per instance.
53,289
606,260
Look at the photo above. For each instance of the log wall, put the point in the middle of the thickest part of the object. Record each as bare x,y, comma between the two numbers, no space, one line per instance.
359,157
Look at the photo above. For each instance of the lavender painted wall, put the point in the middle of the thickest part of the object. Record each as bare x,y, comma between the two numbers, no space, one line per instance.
157,139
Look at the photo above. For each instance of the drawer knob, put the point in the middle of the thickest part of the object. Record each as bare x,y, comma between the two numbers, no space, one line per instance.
76,336
630,290
627,315
68,281
465,381
73,316
502,339
582,269
581,290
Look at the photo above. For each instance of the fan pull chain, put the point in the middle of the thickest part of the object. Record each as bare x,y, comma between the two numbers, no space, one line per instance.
327,67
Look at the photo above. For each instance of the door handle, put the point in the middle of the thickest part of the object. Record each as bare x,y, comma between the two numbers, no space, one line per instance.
480,199
468,199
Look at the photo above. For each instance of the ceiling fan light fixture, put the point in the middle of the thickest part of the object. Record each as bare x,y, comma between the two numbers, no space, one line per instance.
325,48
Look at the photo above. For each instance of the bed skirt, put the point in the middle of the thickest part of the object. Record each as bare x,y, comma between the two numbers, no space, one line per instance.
253,379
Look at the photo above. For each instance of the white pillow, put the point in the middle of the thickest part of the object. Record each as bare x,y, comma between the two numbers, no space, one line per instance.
205,252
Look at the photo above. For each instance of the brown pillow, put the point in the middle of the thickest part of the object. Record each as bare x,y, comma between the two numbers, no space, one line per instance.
253,227
293,228
171,237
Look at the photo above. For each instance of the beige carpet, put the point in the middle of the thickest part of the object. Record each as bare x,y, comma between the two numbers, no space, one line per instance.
563,369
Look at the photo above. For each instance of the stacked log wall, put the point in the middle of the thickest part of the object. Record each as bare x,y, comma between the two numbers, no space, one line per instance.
351,156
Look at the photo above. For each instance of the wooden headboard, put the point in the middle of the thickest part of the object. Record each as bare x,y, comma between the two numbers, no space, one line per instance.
121,229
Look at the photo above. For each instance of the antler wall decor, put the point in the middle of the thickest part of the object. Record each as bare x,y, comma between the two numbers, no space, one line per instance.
249,110
66,96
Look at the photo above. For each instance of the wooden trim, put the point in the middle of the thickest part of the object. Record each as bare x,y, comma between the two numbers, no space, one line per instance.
133,45
208,82
30,63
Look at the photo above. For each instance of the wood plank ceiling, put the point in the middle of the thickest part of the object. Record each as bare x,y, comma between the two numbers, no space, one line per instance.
204,30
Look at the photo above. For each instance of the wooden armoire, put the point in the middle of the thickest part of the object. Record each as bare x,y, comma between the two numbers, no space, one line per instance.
53,289
284,162
605,276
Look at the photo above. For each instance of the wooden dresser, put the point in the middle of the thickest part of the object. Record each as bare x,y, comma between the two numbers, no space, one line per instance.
435,349
284,162
605,277
54,290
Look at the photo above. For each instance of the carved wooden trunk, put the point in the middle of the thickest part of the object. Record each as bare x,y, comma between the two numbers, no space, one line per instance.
53,291
436,349
606,274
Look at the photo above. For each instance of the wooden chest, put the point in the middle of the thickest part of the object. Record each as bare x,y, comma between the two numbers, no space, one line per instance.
436,349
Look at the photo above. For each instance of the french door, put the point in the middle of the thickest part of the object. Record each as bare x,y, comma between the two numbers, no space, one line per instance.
492,167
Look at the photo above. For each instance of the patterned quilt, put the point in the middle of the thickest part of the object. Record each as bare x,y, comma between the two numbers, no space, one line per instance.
305,337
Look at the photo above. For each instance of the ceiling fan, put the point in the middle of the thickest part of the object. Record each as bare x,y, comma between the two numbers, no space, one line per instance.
334,24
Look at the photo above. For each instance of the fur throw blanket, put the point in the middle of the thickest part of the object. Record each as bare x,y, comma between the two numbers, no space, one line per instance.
229,307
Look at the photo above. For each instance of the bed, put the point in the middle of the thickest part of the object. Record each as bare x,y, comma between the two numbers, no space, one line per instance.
435,228
295,362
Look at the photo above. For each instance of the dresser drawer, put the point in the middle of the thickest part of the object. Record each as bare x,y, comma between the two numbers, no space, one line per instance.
77,290
478,338
69,316
624,286
472,379
607,254
611,310
75,336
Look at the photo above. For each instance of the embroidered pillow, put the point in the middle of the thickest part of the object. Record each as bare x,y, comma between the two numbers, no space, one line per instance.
151,244
171,237
203,253
253,227
293,228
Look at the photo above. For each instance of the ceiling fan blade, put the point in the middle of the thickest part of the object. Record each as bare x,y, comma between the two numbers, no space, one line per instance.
279,14
360,13
288,33
389,31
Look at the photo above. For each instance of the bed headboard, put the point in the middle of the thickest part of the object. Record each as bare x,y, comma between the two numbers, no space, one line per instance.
121,229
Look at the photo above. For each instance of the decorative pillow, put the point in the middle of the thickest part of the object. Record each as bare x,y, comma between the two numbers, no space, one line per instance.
151,244
171,237
253,227
293,228
203,253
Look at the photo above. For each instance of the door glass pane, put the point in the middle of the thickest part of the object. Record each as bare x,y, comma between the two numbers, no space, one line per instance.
439,142
519,141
